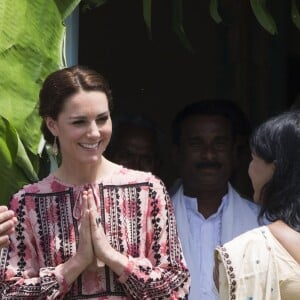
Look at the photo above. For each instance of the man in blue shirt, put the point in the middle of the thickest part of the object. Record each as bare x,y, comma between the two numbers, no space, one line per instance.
208,210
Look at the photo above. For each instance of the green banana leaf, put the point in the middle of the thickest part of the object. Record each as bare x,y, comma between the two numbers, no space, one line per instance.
90,4
31,46
295,14
147,13
16,167
29,51
263,16
214,12
177,24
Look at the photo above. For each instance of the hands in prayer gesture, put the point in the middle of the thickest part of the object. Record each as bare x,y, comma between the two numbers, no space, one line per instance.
7,225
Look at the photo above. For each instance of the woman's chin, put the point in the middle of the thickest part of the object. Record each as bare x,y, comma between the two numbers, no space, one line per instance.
256,197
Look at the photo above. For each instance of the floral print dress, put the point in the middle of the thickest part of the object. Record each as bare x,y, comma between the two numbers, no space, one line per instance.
138,220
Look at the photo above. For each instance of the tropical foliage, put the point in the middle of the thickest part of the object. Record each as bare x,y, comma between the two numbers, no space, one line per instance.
31,46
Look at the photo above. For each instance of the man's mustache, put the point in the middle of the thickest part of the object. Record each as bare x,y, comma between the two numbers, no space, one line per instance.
208,164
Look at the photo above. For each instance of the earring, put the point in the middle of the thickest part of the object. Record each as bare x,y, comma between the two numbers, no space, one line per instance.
55,147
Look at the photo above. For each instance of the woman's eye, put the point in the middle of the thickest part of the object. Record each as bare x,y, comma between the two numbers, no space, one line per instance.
102,119
78,122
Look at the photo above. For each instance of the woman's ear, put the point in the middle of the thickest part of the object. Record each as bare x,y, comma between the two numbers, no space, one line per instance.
51,124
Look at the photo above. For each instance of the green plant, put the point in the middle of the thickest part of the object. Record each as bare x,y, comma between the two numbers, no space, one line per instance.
31,46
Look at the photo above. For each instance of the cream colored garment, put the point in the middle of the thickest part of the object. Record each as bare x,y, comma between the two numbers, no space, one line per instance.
255,266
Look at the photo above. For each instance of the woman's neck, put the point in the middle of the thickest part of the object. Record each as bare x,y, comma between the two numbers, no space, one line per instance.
82,174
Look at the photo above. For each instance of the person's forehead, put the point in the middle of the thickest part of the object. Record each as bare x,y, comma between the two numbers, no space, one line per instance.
131,130
136,137
85,102
206,124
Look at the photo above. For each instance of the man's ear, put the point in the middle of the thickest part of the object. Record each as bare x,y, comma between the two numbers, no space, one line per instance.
52,126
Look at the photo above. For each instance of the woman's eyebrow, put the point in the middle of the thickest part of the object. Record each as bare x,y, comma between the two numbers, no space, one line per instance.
104,114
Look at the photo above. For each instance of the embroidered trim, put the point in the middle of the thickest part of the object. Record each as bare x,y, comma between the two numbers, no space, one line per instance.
229,270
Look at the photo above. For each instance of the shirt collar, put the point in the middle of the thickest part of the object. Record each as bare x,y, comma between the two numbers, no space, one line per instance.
192,204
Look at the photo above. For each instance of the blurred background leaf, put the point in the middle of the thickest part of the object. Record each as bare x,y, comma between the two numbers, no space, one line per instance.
263,15
295,14
177,21
214,12
147,13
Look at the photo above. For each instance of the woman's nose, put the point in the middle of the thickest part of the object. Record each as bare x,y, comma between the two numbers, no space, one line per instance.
93,129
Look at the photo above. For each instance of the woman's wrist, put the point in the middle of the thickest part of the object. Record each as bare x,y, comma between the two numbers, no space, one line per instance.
116,261
71,269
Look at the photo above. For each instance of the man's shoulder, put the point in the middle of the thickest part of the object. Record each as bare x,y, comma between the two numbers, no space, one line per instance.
244,201
175,187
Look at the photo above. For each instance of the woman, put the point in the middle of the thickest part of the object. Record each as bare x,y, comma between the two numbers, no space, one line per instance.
92,229
264,263
7,225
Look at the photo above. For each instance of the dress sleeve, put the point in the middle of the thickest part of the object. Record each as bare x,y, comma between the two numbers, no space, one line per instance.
246,270
21,276
220,277
162,273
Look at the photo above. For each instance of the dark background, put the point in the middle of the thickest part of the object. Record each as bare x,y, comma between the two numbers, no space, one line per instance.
236,59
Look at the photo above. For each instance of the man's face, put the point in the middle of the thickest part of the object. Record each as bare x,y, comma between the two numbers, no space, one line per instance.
136,149
206,153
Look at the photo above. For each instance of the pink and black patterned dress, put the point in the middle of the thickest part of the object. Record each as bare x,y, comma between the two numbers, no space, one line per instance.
138,219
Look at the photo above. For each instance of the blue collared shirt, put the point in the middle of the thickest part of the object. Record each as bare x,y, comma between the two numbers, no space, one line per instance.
206,234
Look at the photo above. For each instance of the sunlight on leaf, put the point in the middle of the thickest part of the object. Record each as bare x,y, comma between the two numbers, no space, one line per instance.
66,7
29,51
16,167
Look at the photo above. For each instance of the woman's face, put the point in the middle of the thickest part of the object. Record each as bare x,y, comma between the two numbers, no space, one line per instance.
83,127
260,173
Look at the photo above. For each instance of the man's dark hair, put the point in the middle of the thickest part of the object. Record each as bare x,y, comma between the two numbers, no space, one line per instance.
138,120
240,124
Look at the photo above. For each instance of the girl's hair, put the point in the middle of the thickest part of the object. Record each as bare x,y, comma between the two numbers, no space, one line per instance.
278,140
60,85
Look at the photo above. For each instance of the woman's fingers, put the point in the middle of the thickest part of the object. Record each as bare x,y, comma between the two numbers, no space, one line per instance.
7,221
7,225
84,202
91,201
5,214
85,247
3,208
4,241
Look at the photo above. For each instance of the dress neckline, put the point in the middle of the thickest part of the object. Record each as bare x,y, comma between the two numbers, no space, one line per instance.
116,171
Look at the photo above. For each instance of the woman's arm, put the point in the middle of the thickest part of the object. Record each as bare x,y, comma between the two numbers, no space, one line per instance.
162,273
21,272
84,256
